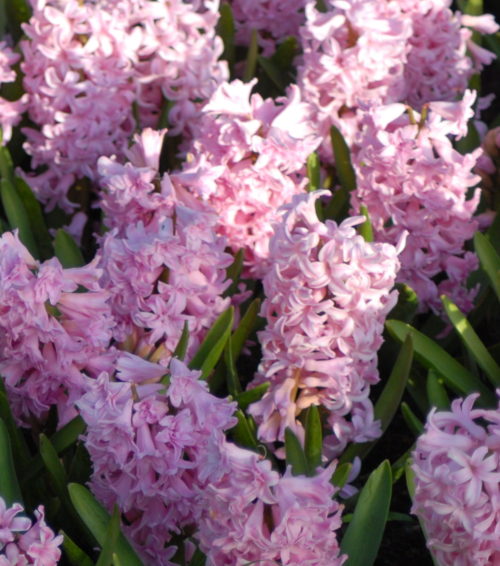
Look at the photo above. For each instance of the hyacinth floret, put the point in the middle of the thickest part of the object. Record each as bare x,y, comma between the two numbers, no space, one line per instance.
411,179
456,465
50,332
360,54
23,543
10,110
250,512
147,441
246,160
87,65
327,295
162,261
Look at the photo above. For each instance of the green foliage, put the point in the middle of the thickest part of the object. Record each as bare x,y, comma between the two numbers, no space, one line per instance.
97,519
363,536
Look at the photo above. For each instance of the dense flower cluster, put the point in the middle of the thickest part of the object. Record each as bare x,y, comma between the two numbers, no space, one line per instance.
411,179
49,332
162,262
252,514
147,442
327,294
10,111
23,543
457,477
363,53
87,63
247,159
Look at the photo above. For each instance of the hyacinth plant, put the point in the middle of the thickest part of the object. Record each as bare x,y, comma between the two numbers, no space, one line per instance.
241,250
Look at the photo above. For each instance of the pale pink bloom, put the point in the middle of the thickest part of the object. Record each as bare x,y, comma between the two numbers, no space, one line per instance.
246,160
327,294
457,477
163,263
86,64
23,543
354,56
363,53
249,512
411,179
10,110
50,333
147,442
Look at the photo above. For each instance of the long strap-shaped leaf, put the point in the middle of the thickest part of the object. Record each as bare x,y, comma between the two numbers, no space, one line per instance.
364,533
97,520
17,215
9,486
67,251
472,341
490,261
213,345
432,356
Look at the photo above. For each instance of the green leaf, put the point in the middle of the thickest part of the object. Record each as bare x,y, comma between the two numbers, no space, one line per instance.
313,442
473,7
233,382
18,12
244,431
97,520
251,60
181,348
469,142
61,441
472,341
313,172
20,450
17,215
226,30
273,72
407,304
110,539
6,164
341,474
213,345
343,164
245,327
252,395
338,206
490,260
285,52
436,393
37,221
74,554
9,486
363,536
53,464
388,402
366,229
412,421
493,43
233,273
432,356
295,456
67,251
198,558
